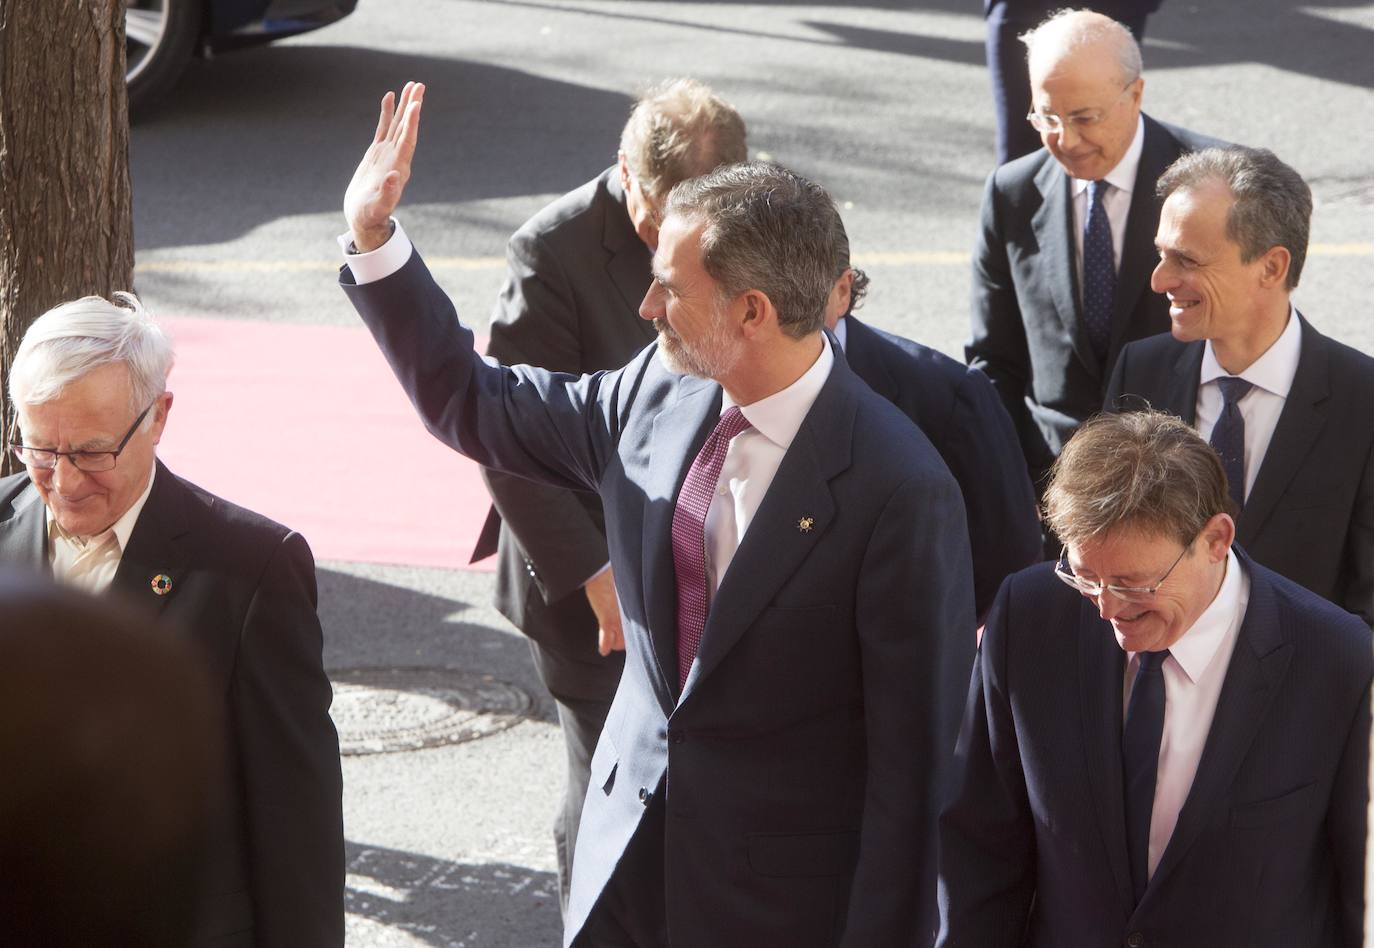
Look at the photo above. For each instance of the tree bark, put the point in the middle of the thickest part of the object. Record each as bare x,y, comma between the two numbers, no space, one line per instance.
66,212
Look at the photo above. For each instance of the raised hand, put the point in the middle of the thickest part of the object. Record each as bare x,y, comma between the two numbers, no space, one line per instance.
381,176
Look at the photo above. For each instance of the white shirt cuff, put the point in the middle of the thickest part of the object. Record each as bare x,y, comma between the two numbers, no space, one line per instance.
597,573
380,263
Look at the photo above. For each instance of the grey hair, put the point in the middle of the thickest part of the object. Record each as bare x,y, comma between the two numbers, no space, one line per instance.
1065,31
1145,469
1272,207
677,130
75,338
859,288
768,229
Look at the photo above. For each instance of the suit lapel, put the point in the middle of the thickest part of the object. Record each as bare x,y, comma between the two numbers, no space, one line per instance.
1101,677
1258,665
775,544
678,434
24,535
1299,425
1138,242
629,261
860,344
1181,385
154,549
1053,227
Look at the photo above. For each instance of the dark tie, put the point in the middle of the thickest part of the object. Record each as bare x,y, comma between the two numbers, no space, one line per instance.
1228,437
1099,271
1140,761
689,536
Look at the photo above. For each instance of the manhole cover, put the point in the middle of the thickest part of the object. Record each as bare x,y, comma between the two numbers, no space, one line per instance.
383,710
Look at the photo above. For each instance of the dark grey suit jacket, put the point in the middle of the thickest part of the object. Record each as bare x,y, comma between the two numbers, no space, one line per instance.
243,591
1027,326
1310,515
577,273
800,766
958,410
1269,846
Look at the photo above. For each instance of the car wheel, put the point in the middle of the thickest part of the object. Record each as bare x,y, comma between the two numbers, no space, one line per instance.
160,36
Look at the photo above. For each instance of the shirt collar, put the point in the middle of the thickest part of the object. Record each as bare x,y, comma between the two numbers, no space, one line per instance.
1122,177
122,528
779,416
1273,371
1196,648
841,332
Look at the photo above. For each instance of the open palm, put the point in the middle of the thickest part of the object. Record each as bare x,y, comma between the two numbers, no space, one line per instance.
381,176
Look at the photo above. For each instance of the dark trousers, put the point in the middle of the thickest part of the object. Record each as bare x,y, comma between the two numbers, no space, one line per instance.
631,912
1011,96
582,684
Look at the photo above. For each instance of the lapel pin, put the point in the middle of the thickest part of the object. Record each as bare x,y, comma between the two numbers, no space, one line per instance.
162,584
805,524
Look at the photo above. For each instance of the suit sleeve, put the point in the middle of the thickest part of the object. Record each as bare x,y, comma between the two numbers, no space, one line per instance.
981,449
1346,823
916,635
535,322
987,839
550,427
1359,587
289,752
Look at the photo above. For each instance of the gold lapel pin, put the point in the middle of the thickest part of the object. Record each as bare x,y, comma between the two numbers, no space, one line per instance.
162,584
805,524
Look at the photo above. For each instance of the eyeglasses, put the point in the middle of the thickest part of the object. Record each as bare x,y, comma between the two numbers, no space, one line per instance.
1139,595
91,462
1087,118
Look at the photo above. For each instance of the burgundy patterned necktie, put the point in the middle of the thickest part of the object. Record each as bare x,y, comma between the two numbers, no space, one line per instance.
689,536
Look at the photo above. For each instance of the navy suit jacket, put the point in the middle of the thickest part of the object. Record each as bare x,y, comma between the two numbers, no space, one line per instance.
1310,515
243,593
1269,846
1037,9
1027,325
577,272
958,410
802,760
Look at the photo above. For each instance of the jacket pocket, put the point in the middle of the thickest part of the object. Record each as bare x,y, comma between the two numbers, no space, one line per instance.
603,765
1275,810
803,855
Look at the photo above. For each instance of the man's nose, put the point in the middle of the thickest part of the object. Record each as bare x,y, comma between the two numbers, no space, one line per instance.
66,475
1109,604
1162,280
652,305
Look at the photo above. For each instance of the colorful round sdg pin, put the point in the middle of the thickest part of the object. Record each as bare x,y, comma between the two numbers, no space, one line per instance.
162,584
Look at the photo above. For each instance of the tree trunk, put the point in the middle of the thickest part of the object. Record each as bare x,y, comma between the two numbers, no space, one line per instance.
66,213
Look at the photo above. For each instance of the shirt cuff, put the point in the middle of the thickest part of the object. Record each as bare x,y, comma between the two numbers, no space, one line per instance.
380,263
597,573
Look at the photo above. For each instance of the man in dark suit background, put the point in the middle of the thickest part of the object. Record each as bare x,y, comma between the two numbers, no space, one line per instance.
791,560
97,510
1287,407
1011,98
958,410
1165,742
577,272
1065,246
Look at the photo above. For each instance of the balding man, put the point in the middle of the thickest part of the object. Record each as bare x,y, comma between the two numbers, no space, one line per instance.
1287,407
1066,244
97,510
577,272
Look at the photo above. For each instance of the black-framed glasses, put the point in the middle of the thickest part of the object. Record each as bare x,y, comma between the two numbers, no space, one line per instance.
1139,595
91,462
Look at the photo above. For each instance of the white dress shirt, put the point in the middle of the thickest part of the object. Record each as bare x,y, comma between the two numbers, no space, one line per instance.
90,563
1116,202
1193,676
1272,377
752,461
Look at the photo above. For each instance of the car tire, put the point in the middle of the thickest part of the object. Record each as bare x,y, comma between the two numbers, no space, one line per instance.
160,36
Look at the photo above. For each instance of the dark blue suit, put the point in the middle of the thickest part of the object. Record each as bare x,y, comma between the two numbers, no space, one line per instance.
789,794
1269,846
958,410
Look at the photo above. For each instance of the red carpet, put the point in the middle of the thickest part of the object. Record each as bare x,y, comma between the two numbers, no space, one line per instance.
307,425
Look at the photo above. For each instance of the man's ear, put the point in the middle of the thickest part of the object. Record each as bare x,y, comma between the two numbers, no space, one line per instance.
756,313
160,412
1217,535
623,164
1274,264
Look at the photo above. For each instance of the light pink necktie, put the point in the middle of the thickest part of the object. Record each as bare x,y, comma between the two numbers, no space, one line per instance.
689,536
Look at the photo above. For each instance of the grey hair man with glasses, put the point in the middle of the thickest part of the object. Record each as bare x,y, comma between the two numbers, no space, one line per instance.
97,510
1062,266
1165,743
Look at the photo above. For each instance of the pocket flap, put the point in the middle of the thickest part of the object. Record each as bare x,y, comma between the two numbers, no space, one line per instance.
1273,810
604,760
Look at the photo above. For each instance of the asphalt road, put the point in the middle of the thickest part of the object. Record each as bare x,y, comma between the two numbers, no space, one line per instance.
238,182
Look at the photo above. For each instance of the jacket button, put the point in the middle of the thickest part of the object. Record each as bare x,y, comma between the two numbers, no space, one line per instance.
1135,940
644,795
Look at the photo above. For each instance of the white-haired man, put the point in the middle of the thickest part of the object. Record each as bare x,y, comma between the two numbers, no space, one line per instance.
98,510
